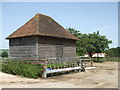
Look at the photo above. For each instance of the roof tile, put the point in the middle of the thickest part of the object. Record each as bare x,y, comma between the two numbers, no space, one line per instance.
42,25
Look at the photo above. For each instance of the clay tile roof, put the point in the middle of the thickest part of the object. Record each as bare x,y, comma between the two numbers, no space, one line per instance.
44,26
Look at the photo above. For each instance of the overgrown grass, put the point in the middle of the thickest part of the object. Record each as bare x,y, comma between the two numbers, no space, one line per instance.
30,70
110,59
22,69
98,59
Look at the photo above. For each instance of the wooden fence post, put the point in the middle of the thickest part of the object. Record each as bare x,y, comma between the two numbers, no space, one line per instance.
91,63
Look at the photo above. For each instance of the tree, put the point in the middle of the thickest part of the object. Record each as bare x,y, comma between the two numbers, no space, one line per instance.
90,43
114,52
77,33
4,54
95,43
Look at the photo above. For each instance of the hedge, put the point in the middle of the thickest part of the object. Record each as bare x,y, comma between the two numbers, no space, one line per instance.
22,69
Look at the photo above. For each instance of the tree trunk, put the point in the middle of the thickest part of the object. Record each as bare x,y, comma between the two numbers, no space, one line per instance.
90,54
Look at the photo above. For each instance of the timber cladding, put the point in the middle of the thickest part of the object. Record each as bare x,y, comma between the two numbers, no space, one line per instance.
40,38
23,47
38,47
56,51
55,47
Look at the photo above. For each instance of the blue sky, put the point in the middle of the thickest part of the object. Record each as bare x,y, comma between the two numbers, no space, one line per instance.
87,17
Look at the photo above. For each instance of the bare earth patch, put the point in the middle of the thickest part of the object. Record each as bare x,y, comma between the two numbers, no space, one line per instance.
105,75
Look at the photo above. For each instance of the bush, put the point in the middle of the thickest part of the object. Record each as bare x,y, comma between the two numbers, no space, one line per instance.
4,54
22,69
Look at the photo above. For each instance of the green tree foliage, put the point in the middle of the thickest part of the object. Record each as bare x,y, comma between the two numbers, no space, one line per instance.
96,43
113,52
77,33
90,43
4,54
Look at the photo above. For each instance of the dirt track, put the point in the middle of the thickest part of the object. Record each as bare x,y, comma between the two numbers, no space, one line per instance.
105,75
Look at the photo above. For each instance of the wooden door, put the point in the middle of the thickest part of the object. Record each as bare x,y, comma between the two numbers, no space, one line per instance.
59,51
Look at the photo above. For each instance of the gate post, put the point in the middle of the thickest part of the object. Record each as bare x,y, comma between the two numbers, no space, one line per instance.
44,74
91,63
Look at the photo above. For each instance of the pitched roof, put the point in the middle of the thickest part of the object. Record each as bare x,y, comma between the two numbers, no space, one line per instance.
44,26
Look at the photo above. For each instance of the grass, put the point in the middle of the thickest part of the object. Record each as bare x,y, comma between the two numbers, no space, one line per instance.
110,59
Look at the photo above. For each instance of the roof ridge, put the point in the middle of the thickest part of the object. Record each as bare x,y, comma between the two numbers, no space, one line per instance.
37,28
44,25
37,18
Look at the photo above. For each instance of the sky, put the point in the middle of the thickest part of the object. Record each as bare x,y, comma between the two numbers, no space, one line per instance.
87,17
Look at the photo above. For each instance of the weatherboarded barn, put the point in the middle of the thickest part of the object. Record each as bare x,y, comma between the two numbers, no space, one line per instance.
42,37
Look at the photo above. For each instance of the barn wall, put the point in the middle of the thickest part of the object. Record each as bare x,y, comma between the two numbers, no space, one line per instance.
46,50
56,41
69,51
23,47
38,47
51,47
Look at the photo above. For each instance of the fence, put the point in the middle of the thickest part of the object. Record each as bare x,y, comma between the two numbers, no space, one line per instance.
53,65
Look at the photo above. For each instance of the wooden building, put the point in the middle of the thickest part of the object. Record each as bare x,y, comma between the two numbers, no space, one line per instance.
41,37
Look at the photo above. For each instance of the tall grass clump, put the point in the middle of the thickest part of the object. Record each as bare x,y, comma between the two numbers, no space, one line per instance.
22,69
98,59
